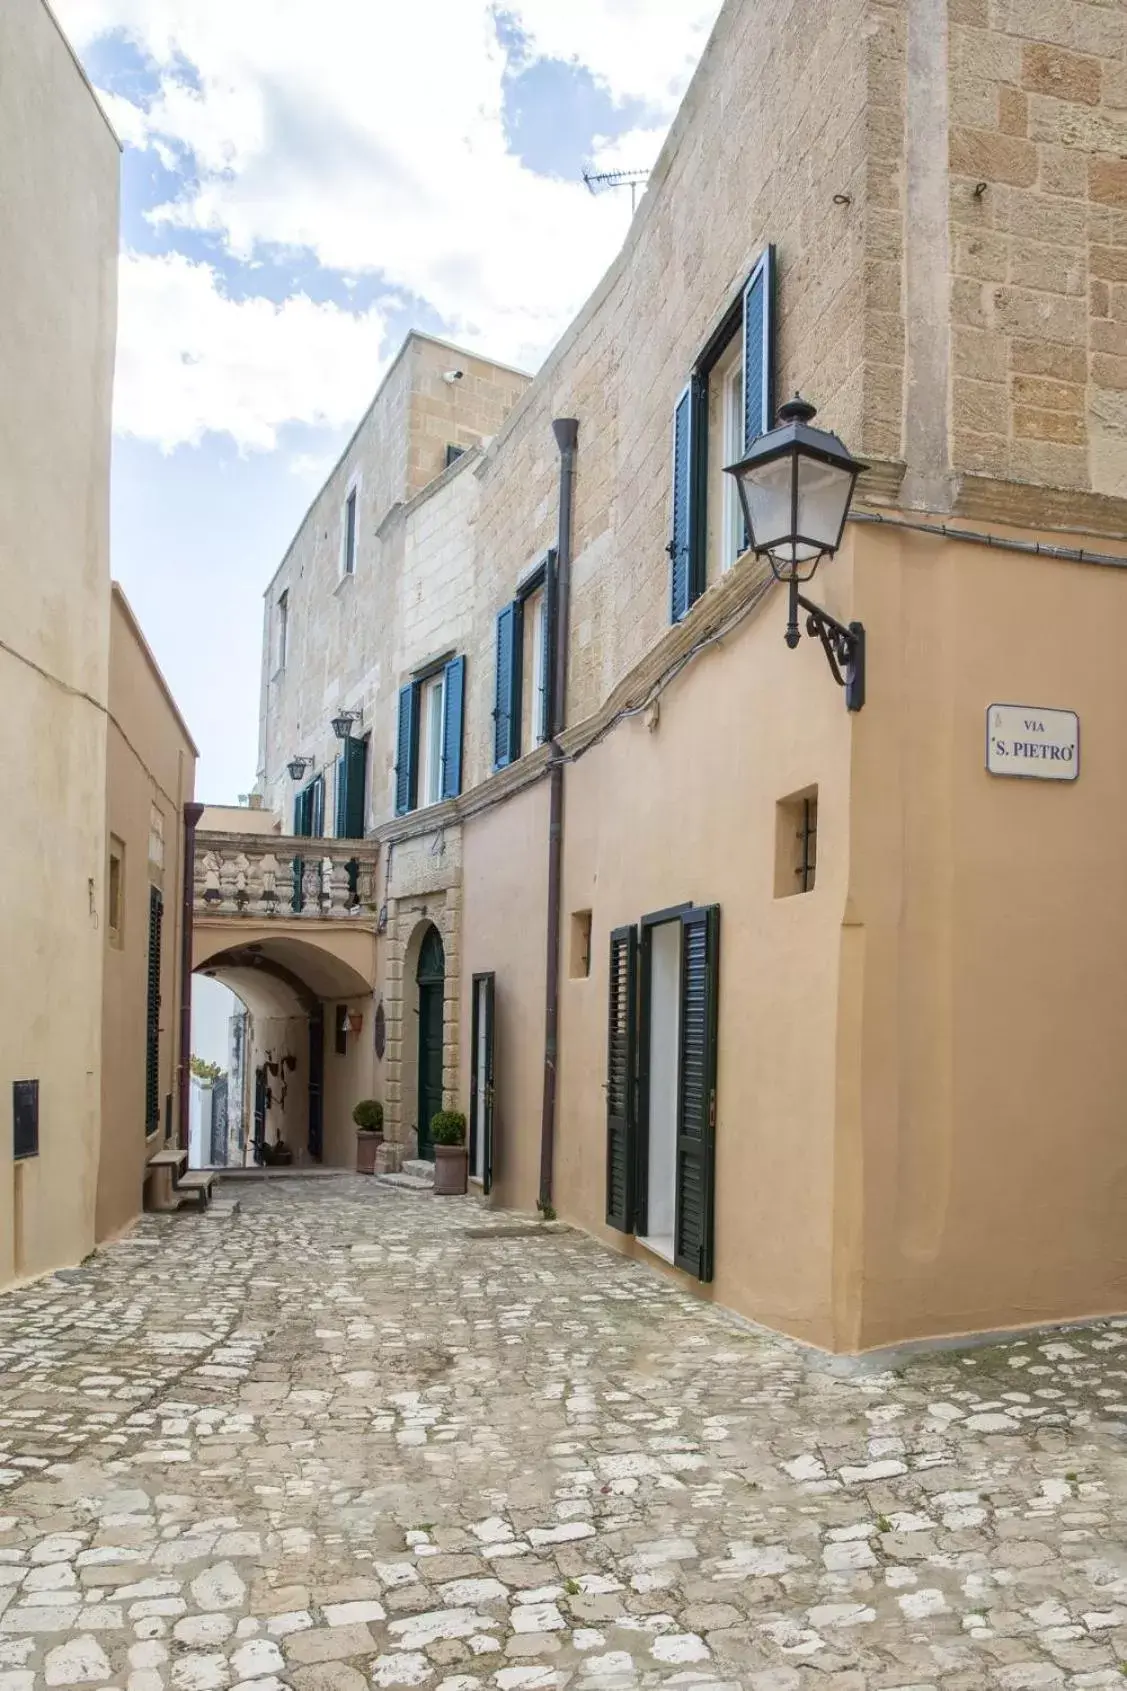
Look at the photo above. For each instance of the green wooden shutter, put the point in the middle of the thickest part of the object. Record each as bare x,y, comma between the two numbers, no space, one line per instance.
152,1015
686,545
356,753
696,1088
407,750
759,349
481,1110
622,1021
453,711
317,808
506,707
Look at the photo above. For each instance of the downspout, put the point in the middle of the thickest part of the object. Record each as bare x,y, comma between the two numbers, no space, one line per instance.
192,814
566,431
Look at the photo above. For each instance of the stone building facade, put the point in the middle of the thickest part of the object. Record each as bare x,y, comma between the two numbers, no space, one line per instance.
914,211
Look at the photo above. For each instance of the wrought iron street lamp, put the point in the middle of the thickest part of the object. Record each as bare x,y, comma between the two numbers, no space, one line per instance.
297,767
796,484
342,724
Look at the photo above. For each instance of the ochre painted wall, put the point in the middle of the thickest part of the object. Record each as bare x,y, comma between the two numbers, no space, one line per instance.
58,280
992,924
657,818
150,776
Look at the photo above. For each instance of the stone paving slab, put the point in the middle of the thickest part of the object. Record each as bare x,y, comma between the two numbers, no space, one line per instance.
328,1440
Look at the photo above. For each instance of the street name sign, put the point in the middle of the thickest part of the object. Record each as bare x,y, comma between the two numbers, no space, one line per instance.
1032,742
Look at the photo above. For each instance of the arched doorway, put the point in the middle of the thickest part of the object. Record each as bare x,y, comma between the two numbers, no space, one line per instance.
431,978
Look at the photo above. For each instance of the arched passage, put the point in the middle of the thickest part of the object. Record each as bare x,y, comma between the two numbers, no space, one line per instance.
309,1047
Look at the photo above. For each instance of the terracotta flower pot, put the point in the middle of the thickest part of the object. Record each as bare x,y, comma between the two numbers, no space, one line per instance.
451,1170
367,1144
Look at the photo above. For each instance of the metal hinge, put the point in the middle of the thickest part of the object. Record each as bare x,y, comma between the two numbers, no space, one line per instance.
712,1109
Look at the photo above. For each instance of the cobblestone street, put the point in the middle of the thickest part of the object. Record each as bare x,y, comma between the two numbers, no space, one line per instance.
344,1437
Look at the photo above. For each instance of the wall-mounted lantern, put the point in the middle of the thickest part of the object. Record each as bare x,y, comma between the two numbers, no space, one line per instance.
342,724
297,767
796,485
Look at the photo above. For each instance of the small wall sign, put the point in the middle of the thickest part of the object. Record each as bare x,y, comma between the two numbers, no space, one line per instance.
1029,741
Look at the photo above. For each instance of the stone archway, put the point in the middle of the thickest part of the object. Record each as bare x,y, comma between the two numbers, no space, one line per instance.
407,933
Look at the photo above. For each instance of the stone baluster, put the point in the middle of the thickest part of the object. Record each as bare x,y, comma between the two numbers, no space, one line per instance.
340,897
268,869
228,884
207,880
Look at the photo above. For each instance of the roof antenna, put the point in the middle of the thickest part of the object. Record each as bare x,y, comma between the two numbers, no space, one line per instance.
598,181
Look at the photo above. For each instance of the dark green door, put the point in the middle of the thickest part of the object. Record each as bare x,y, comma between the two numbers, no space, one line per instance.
431,977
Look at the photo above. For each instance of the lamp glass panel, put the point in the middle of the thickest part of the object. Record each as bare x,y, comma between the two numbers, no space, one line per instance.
823,499
767,491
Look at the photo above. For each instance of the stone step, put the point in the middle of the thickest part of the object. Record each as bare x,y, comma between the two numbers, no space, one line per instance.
419,1169
405,1182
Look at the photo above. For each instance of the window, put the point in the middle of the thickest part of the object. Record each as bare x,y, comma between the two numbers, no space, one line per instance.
115,914
796,843
25,1119
536,616
727,403
156,837
349,534
453,453
428,766
579,965
530,619
281,631
430,739
732,531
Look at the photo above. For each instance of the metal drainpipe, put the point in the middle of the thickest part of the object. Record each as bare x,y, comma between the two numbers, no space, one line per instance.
566,431
192,814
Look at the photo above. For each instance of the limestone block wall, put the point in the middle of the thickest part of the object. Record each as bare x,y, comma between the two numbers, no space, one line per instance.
346,635
1038,117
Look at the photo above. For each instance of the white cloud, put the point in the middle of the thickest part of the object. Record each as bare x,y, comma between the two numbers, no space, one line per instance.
372,137
191,359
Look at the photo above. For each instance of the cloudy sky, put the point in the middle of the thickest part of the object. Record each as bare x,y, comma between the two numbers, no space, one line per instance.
303,182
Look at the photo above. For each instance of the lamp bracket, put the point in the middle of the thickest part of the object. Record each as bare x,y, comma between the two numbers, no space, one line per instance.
843,645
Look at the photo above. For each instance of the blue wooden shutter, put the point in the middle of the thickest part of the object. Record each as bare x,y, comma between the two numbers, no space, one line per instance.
506,708
453,711
695,1167
680,541
407,750
622,1022
545,724
759,349
686,546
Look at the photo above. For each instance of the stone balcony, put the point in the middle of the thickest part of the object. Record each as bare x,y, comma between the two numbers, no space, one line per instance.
260,877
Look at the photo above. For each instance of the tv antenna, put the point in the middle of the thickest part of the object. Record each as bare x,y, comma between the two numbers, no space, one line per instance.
599,181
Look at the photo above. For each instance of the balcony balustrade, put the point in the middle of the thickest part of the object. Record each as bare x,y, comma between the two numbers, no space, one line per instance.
262,876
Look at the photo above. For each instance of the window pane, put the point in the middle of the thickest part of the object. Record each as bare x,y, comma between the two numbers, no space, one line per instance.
537,702
433,700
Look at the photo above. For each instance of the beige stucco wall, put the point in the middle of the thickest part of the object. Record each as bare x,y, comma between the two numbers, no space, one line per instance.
238,819
58,251
150,776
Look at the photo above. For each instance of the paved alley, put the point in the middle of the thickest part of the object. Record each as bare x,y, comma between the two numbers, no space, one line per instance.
346,1437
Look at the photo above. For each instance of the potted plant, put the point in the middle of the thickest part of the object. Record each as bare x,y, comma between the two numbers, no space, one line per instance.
368,1116
451,1163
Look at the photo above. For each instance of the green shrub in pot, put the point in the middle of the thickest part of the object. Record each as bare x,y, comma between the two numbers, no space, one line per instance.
448,1127
368,1116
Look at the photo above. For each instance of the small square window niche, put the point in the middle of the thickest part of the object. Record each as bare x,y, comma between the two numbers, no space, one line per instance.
579,963
796,843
